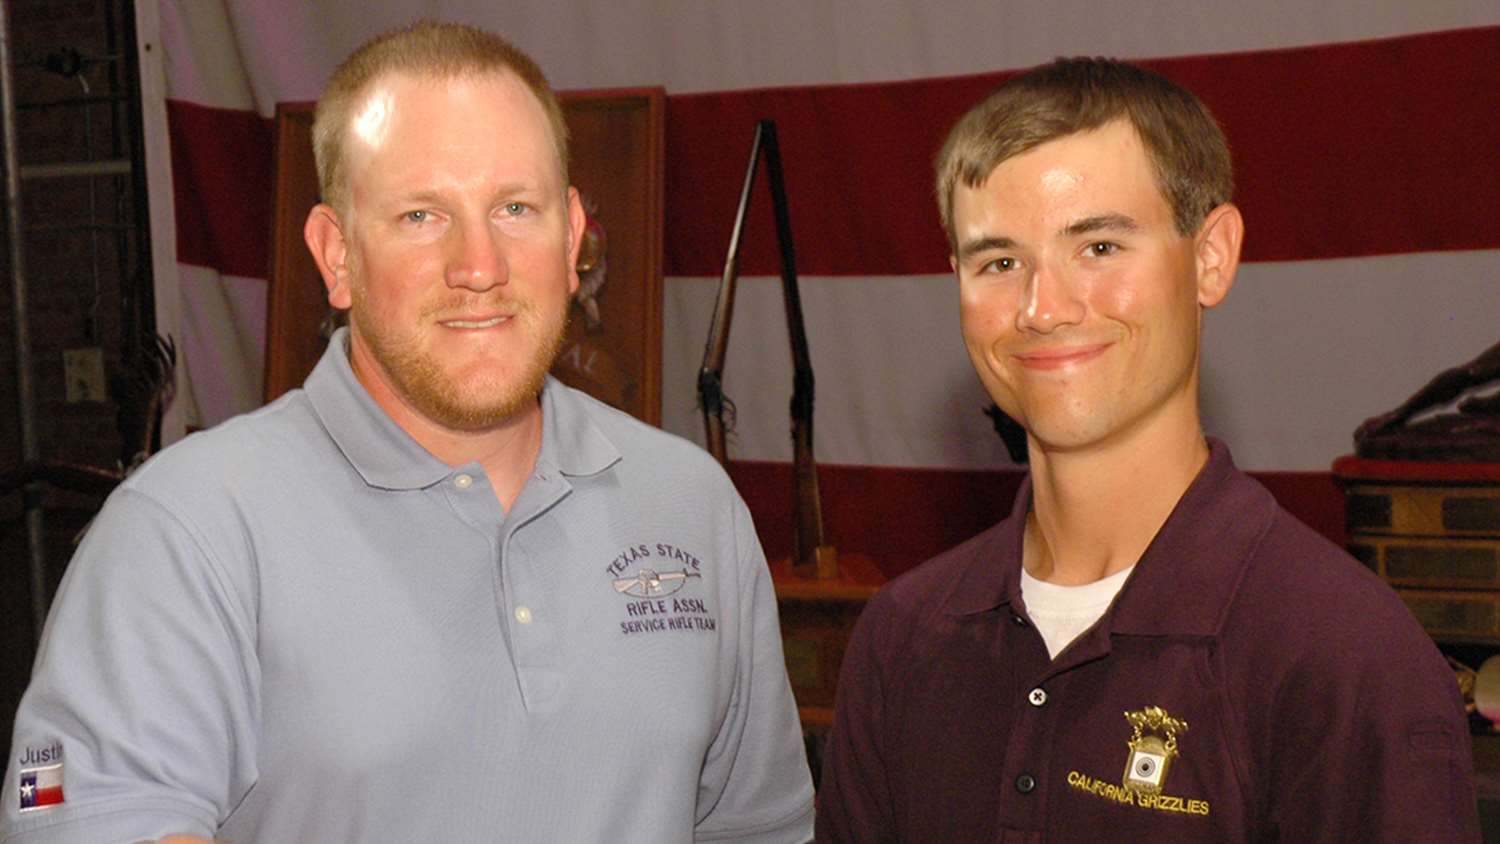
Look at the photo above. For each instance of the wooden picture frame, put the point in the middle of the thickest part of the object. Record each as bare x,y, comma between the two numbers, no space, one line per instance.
612,349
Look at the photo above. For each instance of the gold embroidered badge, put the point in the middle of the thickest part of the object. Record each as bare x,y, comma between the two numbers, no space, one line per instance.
1153,746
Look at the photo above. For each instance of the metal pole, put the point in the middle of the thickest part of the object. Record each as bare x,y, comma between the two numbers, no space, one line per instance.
25,389
137,308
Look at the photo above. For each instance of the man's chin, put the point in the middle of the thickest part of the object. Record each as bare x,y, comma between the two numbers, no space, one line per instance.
1065,435
476,407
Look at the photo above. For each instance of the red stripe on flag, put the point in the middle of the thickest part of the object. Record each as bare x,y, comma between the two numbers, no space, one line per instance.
1364,149
222,167
899,517
49,796
1341,150
857,162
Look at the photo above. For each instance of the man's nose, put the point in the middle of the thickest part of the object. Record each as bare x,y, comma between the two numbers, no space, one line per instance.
1048,300
477,258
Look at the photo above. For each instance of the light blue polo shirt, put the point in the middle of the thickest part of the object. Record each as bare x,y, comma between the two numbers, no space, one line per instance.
301,627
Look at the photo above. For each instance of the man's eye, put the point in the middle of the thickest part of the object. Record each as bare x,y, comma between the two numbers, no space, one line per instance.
1103,248
416,216
1000,265
515,209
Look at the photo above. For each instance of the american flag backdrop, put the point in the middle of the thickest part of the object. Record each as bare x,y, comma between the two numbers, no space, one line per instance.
1366,138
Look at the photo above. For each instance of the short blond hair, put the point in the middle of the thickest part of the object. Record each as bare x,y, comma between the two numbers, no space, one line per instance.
1186,147
425,49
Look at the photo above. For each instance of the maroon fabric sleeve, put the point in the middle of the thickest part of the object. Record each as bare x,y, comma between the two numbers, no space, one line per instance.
854,795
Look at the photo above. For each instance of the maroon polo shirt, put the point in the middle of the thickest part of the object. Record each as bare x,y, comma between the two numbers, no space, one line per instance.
1282,692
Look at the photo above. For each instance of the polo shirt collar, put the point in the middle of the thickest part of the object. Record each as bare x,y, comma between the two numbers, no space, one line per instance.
378,449
387,457
571,443
1189,574
1200,552
992,576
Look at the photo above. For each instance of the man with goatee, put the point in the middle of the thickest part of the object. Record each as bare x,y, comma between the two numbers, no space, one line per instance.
433,595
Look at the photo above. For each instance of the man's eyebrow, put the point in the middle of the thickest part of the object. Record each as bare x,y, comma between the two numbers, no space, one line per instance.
427,196
421,197
969,248
1101,222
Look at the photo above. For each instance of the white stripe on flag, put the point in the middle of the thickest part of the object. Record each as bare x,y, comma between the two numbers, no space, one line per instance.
222,345
1295,359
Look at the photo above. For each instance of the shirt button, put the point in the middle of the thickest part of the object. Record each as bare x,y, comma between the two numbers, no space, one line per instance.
1025,783
523,614
1020,622
463,481
1038,697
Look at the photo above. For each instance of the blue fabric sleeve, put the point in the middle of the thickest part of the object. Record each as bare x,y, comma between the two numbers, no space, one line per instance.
755,784
146,681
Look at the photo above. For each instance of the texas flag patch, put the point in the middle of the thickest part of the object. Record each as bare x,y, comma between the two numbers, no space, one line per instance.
41,787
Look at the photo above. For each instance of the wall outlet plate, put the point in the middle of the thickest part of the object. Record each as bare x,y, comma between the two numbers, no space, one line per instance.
83,372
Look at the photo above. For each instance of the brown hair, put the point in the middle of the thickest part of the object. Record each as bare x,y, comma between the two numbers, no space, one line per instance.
1185,145
437,50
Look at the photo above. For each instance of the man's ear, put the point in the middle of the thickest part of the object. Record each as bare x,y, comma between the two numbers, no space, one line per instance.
578,221
325,240
1217,248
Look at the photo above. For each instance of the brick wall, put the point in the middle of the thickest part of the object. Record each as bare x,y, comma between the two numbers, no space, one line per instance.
81,259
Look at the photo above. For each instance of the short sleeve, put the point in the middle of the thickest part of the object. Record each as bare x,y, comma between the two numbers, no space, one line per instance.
1369,742
142,702
755,785
854,797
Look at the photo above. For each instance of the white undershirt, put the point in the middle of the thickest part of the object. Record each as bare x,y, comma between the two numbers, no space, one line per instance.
1061,613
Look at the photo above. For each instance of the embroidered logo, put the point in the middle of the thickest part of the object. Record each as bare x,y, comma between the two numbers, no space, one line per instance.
648,583
41,787
1153,746
641,573
1151,755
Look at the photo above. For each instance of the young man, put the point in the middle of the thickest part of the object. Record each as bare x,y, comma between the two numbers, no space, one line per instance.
1148,648
434,595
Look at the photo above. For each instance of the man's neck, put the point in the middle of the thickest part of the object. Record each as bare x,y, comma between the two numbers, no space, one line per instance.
506,452
1095,511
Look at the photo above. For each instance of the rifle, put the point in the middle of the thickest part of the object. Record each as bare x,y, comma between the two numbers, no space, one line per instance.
810,556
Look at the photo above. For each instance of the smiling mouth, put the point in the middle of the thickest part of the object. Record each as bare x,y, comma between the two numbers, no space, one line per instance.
1057,358
475,323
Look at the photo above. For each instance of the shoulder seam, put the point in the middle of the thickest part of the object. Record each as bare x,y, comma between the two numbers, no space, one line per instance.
1244,570
215,567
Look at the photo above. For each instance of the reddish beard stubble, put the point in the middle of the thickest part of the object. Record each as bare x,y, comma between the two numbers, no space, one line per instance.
421,379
